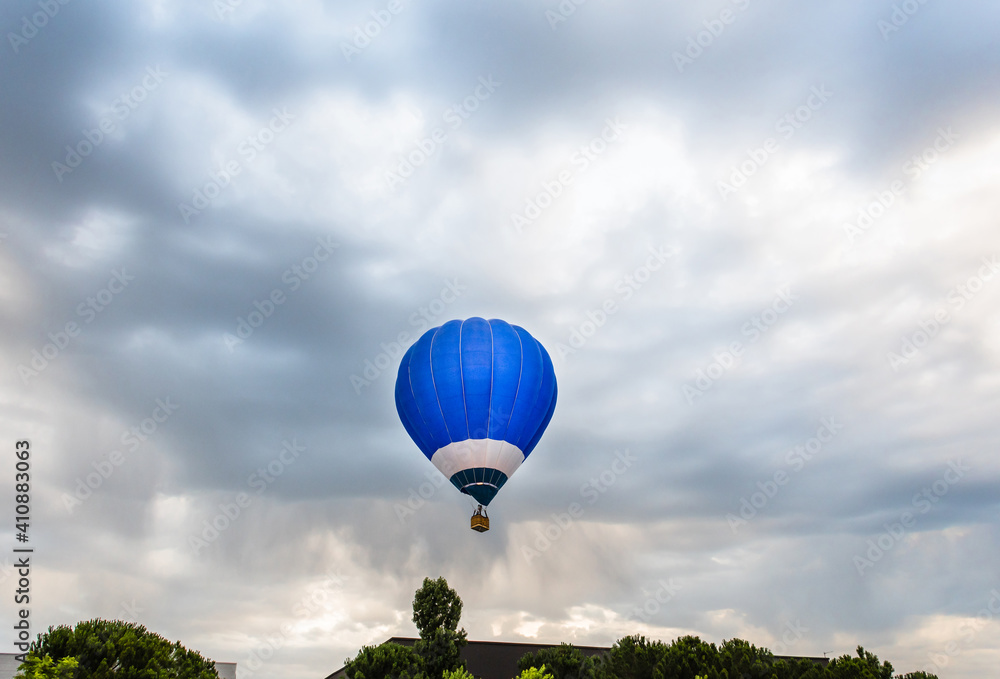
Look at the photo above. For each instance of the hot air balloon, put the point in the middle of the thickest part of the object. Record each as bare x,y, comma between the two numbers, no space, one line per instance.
476,396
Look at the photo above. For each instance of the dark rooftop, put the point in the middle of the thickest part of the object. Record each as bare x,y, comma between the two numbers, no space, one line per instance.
498,659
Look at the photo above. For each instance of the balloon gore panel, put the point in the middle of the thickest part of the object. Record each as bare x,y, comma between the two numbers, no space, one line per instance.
476,396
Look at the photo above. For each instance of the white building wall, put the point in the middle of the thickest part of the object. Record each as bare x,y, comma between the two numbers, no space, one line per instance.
8,666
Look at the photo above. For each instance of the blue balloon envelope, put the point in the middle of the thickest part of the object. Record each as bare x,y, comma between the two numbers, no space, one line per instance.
476,396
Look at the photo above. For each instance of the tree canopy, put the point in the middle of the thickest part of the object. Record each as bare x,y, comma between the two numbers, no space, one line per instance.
688,657
437,609
436,606
44,667
865,666
534,673
564,661
106,648
385,661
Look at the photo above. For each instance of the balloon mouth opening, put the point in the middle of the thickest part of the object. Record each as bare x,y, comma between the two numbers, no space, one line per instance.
482,492
482,483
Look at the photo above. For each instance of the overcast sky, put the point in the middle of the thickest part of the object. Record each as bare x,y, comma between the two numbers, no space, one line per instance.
758,238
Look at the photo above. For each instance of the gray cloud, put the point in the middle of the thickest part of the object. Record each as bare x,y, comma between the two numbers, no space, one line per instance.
300,375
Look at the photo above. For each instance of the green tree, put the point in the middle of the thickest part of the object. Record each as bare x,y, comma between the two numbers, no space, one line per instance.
124,650
631,657
787,668
44,667
534,673
385,661
742,659
564,661
689,656
865,666
436,606
460,673
437,609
